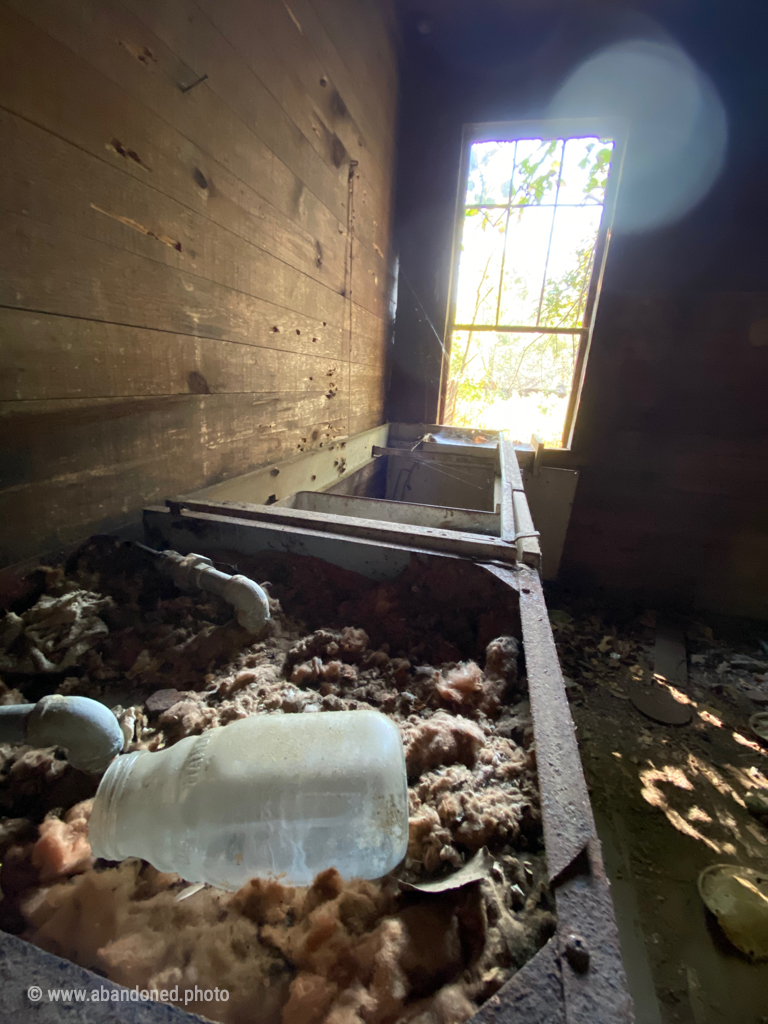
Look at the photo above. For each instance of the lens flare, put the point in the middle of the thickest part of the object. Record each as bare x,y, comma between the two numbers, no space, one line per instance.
675,123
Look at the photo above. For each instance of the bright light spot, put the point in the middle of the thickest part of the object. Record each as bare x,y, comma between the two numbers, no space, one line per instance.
747,743
757,832
697,814
677,127
652,776
696,766
727,820
616,754
682,825
710,719
752,888
679,696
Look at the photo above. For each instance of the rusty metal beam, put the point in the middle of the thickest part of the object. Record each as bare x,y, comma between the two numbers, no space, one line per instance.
593,979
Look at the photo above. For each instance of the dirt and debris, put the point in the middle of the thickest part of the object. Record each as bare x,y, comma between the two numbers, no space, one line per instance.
435,650
671,800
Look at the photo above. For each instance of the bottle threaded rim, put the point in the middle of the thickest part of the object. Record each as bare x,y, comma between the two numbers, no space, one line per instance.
102,827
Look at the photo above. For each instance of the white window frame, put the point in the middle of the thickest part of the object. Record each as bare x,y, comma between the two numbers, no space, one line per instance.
511,131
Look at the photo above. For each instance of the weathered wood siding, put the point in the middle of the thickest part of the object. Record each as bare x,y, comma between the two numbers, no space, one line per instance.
192,283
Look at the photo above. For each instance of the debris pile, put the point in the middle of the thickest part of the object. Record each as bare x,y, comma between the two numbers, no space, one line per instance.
673,728
433,650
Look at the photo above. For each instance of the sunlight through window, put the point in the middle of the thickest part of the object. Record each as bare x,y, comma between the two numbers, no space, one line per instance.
531,229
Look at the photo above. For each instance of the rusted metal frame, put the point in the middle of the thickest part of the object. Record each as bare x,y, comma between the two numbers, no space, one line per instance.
548,989
595,992
412,432
463,520
516,521
313,470
534,995
469,457
196,524
24,968
471,545
597,995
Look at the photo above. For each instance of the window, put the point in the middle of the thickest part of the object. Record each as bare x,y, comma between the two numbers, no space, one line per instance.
531,239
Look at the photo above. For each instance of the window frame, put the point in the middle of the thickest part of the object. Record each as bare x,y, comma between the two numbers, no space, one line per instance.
511,131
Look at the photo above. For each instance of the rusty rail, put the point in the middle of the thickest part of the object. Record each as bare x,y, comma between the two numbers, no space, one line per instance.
585,952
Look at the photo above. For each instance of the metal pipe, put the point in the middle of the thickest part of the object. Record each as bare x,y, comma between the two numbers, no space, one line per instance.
13,720
196,572
87,730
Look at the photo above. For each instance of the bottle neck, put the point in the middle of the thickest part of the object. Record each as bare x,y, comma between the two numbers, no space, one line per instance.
102,827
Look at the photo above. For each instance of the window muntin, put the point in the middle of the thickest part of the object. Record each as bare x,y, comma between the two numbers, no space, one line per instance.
531,224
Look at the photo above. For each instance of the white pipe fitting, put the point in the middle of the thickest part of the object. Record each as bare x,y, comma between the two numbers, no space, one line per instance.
196,572
87,730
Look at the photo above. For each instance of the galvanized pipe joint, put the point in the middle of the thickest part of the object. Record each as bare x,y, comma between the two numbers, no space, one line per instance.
87,730
196,572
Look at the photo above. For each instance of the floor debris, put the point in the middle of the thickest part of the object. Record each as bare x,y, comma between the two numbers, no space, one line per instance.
431,943
738,897
672,801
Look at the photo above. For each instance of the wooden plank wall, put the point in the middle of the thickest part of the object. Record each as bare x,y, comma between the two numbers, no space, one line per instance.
192,283
672,442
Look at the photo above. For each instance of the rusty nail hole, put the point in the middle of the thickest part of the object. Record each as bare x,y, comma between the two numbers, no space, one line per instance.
274,472
276,329
577,953
128,154
298,331
313,477
526,590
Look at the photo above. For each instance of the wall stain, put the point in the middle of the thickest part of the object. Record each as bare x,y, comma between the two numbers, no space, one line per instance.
198,385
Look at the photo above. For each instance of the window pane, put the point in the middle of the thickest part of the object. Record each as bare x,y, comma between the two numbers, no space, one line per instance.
524,263
515,382
528,266
490,172
584,184
536,171
482,246
569,265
